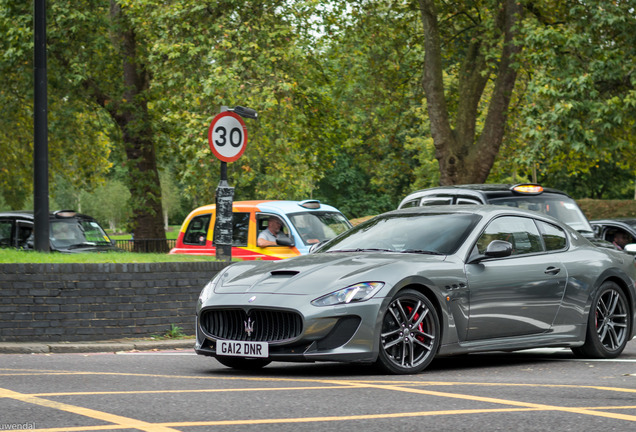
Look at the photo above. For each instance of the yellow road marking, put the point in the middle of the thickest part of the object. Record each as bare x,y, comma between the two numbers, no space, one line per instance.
122,422
410,386
222,390
503,401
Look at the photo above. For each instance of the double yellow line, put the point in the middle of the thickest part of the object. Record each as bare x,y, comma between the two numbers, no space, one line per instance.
125,423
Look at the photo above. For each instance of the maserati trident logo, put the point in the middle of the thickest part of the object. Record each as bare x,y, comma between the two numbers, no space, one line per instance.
249,326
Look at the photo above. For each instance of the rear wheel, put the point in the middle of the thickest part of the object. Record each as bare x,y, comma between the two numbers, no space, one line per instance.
410,334
609,324
243,363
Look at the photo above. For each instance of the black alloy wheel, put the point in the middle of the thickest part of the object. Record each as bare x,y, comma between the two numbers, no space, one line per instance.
410,334
609,324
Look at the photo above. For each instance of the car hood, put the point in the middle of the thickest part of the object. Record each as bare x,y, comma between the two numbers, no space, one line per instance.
315,273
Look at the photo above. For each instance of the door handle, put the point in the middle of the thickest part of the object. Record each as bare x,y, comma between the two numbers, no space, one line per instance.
552,270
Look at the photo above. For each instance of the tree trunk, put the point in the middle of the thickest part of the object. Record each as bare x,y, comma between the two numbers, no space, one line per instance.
463,157
131,115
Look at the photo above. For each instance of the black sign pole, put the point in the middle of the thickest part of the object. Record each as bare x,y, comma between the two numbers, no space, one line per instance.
223,222
40,131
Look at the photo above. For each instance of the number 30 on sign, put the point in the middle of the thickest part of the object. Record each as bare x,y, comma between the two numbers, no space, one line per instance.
227,136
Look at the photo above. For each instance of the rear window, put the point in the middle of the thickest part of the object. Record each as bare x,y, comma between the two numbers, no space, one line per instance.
558,206
197,230
553,236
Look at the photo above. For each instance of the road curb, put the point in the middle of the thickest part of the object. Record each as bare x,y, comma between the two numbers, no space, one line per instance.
94,347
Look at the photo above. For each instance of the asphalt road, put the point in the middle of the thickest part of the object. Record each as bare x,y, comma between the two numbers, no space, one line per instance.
175,390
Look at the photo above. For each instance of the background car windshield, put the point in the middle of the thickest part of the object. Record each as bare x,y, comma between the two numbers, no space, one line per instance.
441,233
316,227
66,233
559,207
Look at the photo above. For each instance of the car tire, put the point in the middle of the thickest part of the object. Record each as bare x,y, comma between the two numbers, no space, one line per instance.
410,334
243,363
608,325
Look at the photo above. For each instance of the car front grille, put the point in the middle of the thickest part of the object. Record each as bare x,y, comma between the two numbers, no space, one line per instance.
261,325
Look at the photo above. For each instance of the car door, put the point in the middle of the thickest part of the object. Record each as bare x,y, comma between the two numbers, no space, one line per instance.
519,294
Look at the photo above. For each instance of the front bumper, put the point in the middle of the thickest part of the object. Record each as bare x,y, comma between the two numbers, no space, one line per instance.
345,333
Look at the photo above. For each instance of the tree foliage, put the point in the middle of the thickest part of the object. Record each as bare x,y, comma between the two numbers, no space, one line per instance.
358,101
578,115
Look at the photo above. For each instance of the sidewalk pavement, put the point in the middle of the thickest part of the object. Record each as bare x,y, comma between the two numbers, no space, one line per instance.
96,346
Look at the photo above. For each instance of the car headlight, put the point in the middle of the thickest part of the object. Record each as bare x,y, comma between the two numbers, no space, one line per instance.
355,293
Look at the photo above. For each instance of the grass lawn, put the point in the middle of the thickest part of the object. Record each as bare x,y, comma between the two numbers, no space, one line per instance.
17,256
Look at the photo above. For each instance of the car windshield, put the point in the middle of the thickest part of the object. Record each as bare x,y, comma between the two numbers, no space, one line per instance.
74,233
429,233
316,227
558,206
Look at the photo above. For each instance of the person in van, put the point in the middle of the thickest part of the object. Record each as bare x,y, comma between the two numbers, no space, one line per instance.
621,239
268,236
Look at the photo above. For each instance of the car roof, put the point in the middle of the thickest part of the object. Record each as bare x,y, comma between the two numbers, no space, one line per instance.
274,206
629,223
486,190
485,210
28,214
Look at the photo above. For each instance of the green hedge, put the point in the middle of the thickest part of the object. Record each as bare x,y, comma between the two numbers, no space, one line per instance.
601,209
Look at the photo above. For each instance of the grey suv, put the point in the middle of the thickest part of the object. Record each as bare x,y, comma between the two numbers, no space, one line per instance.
69,232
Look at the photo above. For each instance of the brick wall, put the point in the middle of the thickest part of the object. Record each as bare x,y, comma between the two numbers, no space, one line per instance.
85,302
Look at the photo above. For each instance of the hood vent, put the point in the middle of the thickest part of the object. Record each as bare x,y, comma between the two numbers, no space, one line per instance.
284,273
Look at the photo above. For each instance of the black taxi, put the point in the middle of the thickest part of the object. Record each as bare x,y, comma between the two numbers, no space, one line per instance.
528,196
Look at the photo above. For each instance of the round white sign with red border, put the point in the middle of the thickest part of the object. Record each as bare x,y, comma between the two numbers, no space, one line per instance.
227,136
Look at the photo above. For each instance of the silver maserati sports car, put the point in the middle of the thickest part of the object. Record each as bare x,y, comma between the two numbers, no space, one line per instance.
413,284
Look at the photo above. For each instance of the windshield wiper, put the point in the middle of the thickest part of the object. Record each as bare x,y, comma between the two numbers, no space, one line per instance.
423,252
79,245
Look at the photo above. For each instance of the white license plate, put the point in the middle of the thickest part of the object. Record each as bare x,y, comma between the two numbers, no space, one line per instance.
242,348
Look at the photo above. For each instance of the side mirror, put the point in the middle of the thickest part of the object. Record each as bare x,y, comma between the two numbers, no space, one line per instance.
630,248
498,249
285,241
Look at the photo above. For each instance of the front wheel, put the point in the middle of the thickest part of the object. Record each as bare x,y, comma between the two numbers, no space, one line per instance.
243,363
410,334
609,324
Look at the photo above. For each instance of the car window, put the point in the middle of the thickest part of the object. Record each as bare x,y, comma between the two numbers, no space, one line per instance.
25,234
436,201
261,223
93,232
197,230
411,203
553,237
75,233
611,232
436,233
5,233
467,201
559,207
521,232
315,227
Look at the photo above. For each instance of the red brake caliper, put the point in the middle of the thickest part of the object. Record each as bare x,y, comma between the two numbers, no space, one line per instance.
420,326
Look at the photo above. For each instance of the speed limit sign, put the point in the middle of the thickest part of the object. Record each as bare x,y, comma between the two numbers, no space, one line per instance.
227,136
